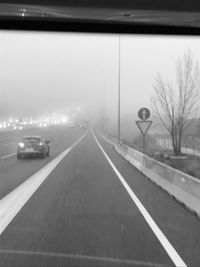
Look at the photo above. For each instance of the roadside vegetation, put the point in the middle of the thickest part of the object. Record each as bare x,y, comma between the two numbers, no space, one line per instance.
187,163
175,105
176,109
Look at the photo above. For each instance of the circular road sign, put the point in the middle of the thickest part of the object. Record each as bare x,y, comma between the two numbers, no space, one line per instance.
144,113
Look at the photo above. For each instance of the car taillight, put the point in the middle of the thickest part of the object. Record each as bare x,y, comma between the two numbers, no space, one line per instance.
21,144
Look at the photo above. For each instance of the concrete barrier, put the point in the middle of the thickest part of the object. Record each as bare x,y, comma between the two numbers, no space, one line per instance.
185,188
111,140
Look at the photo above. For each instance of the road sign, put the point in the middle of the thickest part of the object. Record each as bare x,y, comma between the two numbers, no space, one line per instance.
144,126
144,113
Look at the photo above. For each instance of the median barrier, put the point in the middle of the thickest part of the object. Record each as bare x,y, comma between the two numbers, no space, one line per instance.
183,187
108,138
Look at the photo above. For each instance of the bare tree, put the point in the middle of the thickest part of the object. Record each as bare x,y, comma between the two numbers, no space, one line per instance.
176,105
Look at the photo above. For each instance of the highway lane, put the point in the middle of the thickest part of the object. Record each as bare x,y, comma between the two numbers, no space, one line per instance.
81,210
8,142
179,225
13,171
82,216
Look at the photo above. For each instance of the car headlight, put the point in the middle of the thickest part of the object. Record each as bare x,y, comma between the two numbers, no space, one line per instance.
21,144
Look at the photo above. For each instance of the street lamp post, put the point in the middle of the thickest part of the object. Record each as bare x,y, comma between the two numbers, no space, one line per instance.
104,88
103,103
119,95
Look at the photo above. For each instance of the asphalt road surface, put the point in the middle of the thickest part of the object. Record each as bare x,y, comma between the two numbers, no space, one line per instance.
89,208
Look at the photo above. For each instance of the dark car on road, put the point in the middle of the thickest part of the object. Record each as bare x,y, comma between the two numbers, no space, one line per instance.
33,146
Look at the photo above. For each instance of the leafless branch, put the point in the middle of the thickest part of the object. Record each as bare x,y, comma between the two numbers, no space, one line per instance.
175,109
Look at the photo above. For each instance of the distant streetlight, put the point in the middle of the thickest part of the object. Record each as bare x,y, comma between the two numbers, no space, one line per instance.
79,108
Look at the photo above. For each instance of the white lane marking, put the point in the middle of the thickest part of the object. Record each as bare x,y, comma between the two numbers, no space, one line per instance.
8,156
177,260
12,203
80,257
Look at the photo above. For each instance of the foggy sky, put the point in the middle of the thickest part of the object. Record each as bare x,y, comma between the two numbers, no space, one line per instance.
46,72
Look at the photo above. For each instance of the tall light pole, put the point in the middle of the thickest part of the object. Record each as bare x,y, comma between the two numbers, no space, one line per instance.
104,89
103,102
119,95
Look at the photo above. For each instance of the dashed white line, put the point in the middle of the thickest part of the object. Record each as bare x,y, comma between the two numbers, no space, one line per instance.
8,156
177,260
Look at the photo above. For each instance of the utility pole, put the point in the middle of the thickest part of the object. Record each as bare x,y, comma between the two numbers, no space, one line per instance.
119,95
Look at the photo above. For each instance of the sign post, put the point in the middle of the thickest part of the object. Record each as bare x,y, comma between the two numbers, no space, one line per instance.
144,124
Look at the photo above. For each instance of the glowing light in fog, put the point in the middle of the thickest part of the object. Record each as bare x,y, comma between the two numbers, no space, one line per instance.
65,119
79,108
21,144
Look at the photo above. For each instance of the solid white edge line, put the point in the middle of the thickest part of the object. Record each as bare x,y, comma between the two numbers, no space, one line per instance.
12,203
8,156
177,260
80,257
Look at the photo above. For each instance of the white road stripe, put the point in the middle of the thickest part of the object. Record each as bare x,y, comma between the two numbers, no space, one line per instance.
80,257
12,203
159,234
8,156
